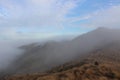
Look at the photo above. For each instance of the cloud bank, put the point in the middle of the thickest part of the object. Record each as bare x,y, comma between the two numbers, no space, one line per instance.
8,52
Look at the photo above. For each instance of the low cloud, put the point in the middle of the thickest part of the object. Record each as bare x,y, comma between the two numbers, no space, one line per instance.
8,52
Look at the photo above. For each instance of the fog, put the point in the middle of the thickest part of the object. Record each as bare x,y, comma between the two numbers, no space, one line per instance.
8,52
10,49
41,55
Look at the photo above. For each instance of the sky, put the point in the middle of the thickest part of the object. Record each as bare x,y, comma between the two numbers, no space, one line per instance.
41,19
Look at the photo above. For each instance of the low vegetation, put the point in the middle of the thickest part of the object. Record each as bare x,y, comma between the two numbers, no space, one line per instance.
86,71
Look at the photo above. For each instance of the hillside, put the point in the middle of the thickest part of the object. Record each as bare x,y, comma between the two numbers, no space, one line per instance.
95,53
102,64
84,72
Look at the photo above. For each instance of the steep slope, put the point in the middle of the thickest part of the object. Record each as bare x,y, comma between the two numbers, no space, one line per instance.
39,58
107,54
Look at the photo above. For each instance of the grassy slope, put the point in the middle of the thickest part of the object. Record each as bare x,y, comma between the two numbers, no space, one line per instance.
87,71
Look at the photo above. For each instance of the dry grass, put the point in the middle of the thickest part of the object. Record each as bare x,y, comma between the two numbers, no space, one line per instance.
103,71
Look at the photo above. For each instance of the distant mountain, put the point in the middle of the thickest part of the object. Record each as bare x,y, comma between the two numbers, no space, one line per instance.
39,58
